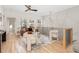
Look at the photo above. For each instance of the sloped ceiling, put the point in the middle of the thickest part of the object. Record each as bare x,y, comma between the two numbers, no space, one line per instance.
42,9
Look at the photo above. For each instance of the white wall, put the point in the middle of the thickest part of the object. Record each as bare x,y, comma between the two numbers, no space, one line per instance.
47,20
68,18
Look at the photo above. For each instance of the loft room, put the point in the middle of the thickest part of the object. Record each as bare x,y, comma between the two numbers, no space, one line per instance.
39,28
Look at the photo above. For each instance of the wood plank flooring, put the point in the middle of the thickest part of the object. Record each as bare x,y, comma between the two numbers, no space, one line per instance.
54,47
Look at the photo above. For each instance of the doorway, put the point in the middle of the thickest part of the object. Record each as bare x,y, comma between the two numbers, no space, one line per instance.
11,24
67,38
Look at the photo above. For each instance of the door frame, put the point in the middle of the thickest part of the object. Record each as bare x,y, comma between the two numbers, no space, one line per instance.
8,18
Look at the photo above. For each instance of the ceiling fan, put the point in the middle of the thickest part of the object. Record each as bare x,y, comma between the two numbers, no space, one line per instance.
29,8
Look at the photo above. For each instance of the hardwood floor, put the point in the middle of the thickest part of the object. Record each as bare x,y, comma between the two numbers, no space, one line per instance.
55,47
8,46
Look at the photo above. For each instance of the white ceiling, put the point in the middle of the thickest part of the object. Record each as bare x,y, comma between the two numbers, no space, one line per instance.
42,9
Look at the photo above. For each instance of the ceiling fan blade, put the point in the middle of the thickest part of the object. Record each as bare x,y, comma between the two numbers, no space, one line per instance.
26,10
28,6
34,10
